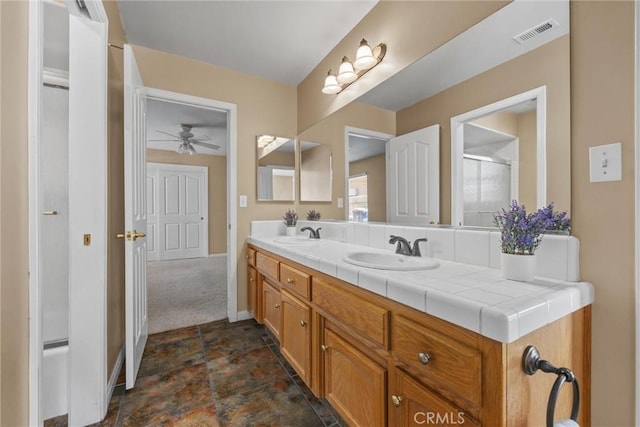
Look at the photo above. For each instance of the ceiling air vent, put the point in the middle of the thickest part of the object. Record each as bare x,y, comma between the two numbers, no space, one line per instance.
527,35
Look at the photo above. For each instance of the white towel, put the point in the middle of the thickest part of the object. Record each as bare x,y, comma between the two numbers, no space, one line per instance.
566,423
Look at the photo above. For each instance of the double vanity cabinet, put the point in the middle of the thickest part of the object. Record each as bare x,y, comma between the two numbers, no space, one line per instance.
379,362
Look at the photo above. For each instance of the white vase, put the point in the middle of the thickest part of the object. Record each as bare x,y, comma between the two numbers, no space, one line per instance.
291,231
518,267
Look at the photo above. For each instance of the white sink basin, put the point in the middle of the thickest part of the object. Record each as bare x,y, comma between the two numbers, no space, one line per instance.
295,240
390,261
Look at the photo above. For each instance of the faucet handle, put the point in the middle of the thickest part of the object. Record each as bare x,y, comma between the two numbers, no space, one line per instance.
416,246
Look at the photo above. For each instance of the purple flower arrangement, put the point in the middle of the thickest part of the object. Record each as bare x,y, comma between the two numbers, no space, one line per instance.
313,215
522,232
290,218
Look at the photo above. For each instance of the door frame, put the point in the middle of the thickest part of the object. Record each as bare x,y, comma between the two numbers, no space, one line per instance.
95,397
457,146
232,185
348,130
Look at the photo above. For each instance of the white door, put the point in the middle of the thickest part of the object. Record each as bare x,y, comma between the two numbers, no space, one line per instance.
413,177
135,217
177,222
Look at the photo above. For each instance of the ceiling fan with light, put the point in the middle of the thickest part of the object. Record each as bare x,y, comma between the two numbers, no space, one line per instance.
187,140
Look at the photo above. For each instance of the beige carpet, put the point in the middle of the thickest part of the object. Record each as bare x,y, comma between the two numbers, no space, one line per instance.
186,292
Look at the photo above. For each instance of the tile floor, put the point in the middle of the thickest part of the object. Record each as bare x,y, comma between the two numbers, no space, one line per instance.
215,374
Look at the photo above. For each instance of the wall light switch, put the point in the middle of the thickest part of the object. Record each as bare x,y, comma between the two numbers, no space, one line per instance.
605,162
243,201
340,202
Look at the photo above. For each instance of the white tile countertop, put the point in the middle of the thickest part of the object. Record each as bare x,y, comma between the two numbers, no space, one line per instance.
471,296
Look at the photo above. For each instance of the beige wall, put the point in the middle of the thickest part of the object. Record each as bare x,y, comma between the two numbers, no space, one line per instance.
217,182
14,216
375,168
115,188
602,111
315,173
263,107
504,121
278,158
547,65
410,29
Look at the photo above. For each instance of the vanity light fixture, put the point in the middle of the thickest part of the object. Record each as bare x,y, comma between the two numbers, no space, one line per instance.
366,59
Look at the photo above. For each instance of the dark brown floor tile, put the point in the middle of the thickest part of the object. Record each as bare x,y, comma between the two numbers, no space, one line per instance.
233,340
164,397
174,335
246,371
202,417
277,404
168,355
328,417
61,421
206,328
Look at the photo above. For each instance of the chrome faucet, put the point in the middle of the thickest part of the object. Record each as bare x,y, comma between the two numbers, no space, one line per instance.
404,247
313,234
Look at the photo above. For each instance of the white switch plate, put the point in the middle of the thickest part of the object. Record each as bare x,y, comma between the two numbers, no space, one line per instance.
243,201
605,162
340,202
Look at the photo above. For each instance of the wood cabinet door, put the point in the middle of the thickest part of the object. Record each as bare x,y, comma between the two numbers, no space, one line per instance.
271,307
295,335
353,384
252,289
415,405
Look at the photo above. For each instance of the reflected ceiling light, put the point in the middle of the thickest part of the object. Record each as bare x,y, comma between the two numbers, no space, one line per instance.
264,140
366,59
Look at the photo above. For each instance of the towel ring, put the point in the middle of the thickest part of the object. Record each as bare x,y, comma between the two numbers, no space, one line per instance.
531,363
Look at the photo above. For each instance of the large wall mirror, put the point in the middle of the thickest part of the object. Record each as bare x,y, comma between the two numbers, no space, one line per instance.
316,172
276,168
480,67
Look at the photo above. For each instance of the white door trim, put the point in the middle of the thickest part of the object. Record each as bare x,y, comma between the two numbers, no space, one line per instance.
354,130
232,185
457,146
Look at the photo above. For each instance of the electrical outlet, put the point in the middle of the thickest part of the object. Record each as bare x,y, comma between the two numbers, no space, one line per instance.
605,163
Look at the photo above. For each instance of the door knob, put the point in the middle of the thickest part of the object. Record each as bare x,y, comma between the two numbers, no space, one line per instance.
135,234
50,213
131,235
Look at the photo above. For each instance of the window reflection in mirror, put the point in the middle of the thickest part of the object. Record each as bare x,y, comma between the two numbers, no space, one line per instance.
276,168
367,195
316,172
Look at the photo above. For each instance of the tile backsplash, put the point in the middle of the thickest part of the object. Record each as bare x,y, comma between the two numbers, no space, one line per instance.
557,256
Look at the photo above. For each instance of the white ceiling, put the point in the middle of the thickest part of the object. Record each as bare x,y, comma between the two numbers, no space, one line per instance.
277,40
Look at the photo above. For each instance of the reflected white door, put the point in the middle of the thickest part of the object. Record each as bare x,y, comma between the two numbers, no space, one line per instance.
413,177
135,217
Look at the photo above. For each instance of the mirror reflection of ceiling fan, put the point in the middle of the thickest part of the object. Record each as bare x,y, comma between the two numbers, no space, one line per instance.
187,140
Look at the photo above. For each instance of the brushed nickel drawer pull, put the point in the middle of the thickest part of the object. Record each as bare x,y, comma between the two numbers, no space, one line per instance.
396,400
424,358
324,347
277,306
303,323
290,281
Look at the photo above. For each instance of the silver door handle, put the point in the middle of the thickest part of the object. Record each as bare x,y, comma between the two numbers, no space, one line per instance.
50,213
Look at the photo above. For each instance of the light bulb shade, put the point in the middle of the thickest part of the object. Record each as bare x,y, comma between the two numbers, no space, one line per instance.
364,57
181,149
331,85
190,149
346,73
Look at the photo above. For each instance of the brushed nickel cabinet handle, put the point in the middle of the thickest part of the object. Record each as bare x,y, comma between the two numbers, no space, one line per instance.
290,281
424,358
303,323
324,347
396,400
277,306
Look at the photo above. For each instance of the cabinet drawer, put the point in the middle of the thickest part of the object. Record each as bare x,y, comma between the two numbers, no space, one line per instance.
267,265
295,280
452,368
414,405
251,256
361,315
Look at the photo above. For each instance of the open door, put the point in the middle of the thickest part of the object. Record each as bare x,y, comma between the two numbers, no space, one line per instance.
413,177
135,217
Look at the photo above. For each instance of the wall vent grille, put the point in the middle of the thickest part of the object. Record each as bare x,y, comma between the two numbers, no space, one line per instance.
527,35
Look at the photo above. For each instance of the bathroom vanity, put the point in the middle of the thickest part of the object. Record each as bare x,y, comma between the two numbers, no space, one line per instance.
403,348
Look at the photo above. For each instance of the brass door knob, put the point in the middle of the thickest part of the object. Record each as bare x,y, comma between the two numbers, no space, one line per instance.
135,234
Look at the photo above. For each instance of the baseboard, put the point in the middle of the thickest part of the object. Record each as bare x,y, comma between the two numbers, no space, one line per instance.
244,315
223,254
113,379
